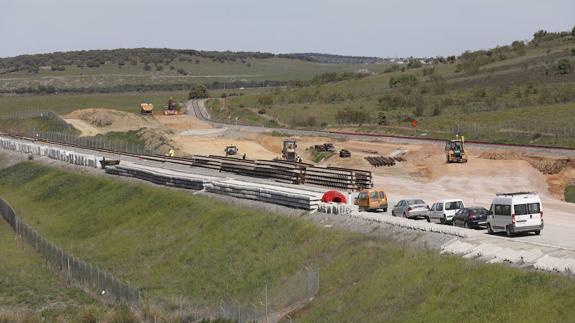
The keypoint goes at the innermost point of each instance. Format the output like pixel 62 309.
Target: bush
pixel 266 100
pixel 428 71
pixel 198 91
pixel 262 111
pixel 403 80
pixel 437 110
pixel 564 66
pixel 350 116
pixel 419 110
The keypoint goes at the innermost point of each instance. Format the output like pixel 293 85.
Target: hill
pixel 163 69
pixel 484 92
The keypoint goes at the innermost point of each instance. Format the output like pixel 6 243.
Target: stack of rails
pixel 285 172
pixel 378 161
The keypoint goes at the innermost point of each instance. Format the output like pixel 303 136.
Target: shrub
pixel 198 91
pixel 347 116
pixel 564 66
pixel 428 71
pixel 266 100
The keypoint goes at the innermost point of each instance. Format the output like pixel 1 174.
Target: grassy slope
pixel 177 244
pixel 281 69
pixel 26 284
pixel 517 88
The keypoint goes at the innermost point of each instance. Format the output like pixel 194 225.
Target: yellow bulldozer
pixel 455 150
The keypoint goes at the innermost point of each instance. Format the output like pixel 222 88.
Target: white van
pixel 516 212
pixel 443 211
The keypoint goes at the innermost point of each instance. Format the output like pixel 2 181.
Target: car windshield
pixel 362 196
pixel 529 208
pixel 413 202
pixel 479 211
pixel 453 205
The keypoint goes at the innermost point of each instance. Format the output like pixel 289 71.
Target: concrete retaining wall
pixel 57 153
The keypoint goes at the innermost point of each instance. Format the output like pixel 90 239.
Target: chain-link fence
pixel 97 142
pixel 95 281
pixel 266 305
pixel 56 122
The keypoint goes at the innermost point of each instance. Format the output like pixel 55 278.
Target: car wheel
pixel 489 229
pixel 428 219
pixel 393 213
pixel 537 232
pixel 384 209
pixel 508 231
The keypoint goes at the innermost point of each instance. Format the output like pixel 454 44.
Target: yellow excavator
pixel 455 150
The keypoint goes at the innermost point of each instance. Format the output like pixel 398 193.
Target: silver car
pixel 412 209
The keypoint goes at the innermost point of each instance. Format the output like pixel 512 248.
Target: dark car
pixel 471 217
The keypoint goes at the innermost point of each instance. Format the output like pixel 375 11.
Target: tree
pixel 573 32
pixel 564 66
pixel 198 91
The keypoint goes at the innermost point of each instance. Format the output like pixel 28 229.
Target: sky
pixel 382 28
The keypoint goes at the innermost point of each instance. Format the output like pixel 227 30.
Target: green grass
pixel 27 286
pixel 65 103
pixel 521 99
pixel 273 69
pixel 175 244
pixel 42 124
pixel 570 193
pixel 318 156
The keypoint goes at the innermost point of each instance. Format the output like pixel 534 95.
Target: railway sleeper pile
pixel 57 153
pixel 286 196
pixel 378 161
pixel 163 177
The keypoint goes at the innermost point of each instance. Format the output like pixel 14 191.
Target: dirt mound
pixel 547 166
pixel 158 140
pixel 500 155
pixel 111 120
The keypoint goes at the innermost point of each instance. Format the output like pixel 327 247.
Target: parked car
pixel 443 211
pixel 414 208
pixel 516 212
pixel 372 200
pixel 470 217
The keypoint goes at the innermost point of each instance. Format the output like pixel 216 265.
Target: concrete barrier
pixel 52 152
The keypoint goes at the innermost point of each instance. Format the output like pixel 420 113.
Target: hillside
pixel 485 92
pixel 163 69
pixel 182 248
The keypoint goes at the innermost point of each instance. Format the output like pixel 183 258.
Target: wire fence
pixel 93 280
pixel 267 305
pixel 57 123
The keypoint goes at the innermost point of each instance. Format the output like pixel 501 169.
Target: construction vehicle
pixel 146 108
pixel 231 150
pixel 289 151
pixel 344 153
pixel 455 150
pixel 171 107
pixel 325 147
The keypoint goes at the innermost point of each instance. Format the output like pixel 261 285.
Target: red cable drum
pixel 333 196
